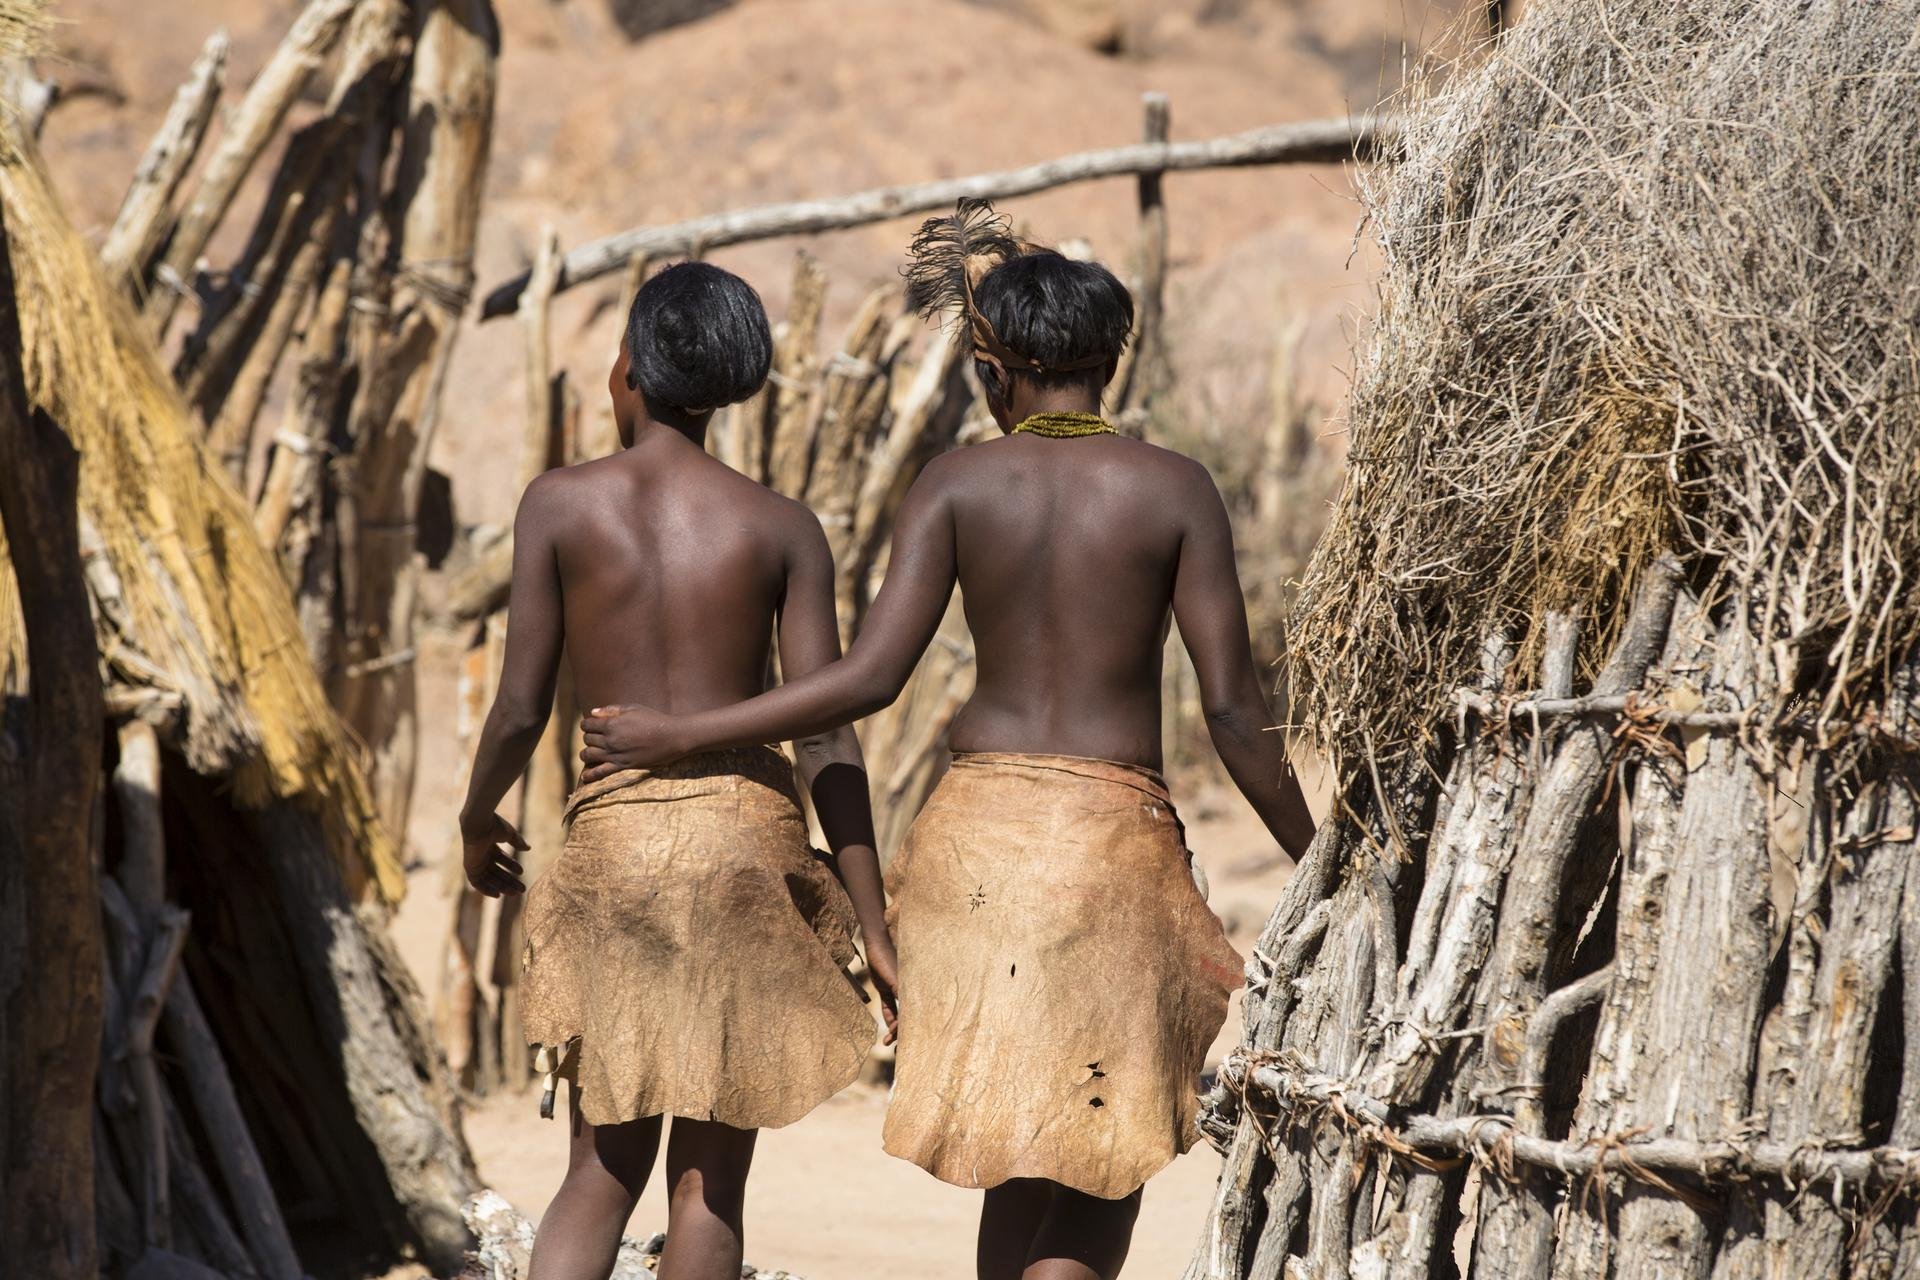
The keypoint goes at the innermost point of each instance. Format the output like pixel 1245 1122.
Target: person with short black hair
pixel 686 950
pixel 696 339
pixel 1061 976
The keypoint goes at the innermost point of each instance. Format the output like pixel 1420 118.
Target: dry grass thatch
pixel 1652 282
pixel 23 27
pixel 189 604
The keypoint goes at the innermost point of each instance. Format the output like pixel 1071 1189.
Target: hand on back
pixel 884 969
pixel 630 737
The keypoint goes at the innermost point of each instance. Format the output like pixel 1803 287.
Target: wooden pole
pixel 536 312
pixel 795 366
pixel 442 171
pixel 142 874
pixel 229 321
pixel 299 512
pixel 230 430
pixel 926 419
pixel 852 401
pixel 230 357
pixel 1808 1166
pixel 247 134
pixel 198 1205
pixel 210 1085
pixel 136 786
pixel 300 446
pixel 1307 142
pixel 1131 389
pixel 353 986
pixel 145 211
pixel 131 1093
pixel 1647 1082
pixel 479 587
pixel 50 989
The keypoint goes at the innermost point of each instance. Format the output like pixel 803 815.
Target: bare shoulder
pixel 1171 467
pixel 944 470
pixel 1195 494
pixel 946 475
pixel 554 484
pixel 580 494
pixel 548 493
pixel 792 523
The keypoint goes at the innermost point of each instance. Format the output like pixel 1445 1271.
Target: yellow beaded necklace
pixel 1064 426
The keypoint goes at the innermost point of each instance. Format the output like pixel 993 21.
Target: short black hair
pixel 1057 310
pixel 697 338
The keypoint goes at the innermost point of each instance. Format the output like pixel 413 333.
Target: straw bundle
pixel 192 607
pixel 23 27
pixel 1650 285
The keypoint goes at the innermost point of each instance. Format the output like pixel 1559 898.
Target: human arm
pixel 1212 616
pixel 904 616
pixel 830 764
pixel 514 723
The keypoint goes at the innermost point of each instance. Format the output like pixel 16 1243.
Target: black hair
pixel 697 338
pixel 1058 311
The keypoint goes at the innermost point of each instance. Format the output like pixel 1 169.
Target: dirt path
pixel 826 1203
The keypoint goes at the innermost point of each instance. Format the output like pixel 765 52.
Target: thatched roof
pixel 1652 283
pixel 188 602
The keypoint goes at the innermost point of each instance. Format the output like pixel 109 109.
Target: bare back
pixel 671 573
pixel 1071 555
pixel 1066 552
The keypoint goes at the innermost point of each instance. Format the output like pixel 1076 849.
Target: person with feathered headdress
pixel 1060 974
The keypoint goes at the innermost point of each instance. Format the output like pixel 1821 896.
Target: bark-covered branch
pixel 252 127
pixel 1637 705
pixel 50 978
pixel 1304 1095
pixel 1304 142
pixel 147 207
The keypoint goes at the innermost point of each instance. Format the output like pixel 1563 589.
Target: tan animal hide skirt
pixel 1061 976
pixel 685 952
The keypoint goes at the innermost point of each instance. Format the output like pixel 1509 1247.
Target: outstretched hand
pixel 630 737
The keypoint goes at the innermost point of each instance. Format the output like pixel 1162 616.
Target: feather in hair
pixel 950 253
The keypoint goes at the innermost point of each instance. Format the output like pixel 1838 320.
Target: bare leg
pixel 607 1168
pixel 1083 1237
pixel 1010 1218
pixel 707 1166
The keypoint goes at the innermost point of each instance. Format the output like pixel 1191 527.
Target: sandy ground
pixel 825 1201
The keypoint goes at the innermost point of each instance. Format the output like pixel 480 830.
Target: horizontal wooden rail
pixel 1304 142
pixel 1803 1164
